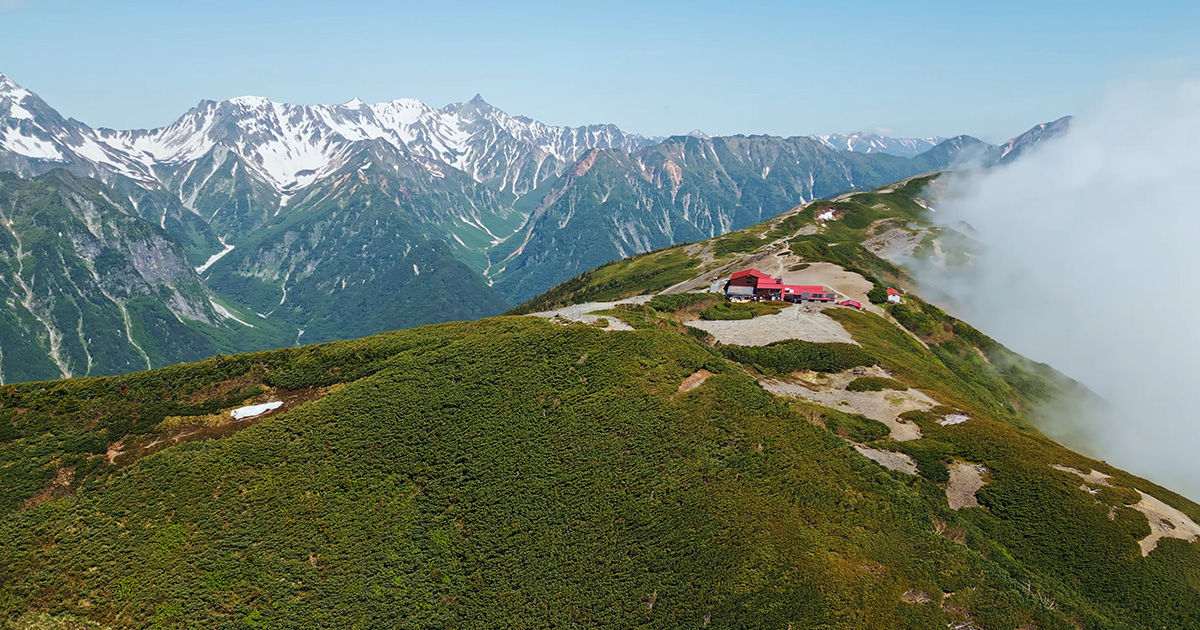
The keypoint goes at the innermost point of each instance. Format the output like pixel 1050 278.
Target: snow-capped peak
pixel 869 142
pixel 289 147
pixel 251 101
pixel 8 86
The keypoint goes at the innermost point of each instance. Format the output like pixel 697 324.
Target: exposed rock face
pixel 83 280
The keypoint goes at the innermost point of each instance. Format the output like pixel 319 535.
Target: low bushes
pixel 679 301
pixel 794 355
pixel 856 427
pixel 748 310
pixel 874 384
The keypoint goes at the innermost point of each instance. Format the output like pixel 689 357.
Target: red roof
pixel 803 288
pixel 769 283
pixel 749 272
pixel 853 303
pixel 892 291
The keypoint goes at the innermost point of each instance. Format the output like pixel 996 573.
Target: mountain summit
pixel 413 214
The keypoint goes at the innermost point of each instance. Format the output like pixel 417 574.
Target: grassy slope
pixel 503 473
pixel 512 472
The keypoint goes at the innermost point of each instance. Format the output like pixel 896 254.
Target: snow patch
pixel 954 418
pixel 224 312
pixel 250 411
pixel 30 146
pixel 215 257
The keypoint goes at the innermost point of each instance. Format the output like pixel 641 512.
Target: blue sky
pixel 785 68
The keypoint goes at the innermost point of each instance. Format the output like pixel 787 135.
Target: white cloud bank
pixel 1090 262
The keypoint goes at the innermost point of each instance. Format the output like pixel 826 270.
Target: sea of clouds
pixel 1087 257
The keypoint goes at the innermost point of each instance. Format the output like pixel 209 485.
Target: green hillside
pixel 531 473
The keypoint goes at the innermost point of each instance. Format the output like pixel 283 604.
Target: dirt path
pixel 800 321
pixel 583 312
pixel 965 480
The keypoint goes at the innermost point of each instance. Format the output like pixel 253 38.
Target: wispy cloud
pixel 1089 259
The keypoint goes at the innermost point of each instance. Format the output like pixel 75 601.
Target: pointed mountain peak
pixel 696 133
pixel 354 103
pixel 7 85
pixel 478 100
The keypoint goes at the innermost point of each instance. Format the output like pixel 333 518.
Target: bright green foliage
pixel 735 243
pixel 1008 378
pixel 878 294
pixel 874 384
pixel 478 477
pixel 632 276
pixel 848 425
pixel 741 310
pixel 792 355
pixel 518 473
pixel 670 303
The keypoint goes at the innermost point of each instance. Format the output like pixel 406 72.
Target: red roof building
pixel 764 286
pixel 750 272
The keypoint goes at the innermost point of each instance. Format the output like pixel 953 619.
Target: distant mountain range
pixel 324 222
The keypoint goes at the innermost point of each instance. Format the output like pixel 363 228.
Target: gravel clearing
pixel 891 460
pixel 800 321
pixel 1165 522
pixel 885 406
pixel 895 244
pixel 965 480
pixel 583 312
pixel 1095 477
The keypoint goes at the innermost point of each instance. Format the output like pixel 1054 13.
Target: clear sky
pixel 657 67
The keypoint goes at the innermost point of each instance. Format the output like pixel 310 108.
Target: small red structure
pixel 893 295
pixel 851 303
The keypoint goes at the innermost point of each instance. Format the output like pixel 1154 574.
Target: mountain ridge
pixel 542 471
pixel 261 198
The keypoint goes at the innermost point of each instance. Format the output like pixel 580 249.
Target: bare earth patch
pixel 800 321
pixel 965 480
pixel 59 486
pixel 583 312
pixel 1165 522
pixel 891 460
pixel 1095 477
pixel 884 406
pixel 695 380
pixel 894 244
pixel 913 596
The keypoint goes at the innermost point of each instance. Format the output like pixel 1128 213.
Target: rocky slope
pixel 93 289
